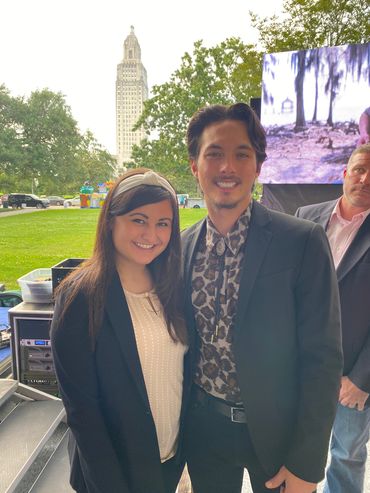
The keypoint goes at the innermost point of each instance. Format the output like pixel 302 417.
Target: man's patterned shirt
pixel 215 288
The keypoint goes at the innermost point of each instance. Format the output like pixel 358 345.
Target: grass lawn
pixel 44 238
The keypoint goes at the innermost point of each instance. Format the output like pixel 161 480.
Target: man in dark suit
pixel 347 223
pixel 262 305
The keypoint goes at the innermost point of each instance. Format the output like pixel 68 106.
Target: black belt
pixel 235 413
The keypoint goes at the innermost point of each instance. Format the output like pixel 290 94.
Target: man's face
pixel 356 182
pixel 226 167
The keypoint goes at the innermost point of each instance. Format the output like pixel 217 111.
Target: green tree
pixel 95 164
pixel 41 147
pixel 226 73
pixel 309 24
pixel 50 138
pixel 11 138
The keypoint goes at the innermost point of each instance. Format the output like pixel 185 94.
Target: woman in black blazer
pixel 119 343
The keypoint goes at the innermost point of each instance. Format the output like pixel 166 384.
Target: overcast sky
pixel 74 46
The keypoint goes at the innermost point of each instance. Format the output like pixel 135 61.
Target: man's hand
pixel 351 396
pixel 289 483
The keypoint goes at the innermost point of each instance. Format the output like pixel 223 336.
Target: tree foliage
pixel 224 74
pixel 96 165
pixel 309 24
pixel 11 117
pixel 41 144
pixel 50 136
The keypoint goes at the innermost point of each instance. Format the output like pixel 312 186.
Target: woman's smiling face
pixel 142 234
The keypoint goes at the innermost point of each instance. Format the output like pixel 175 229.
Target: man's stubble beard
pixel 233 205
pixel 226 206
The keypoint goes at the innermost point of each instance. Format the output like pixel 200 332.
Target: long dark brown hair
pixel 92 278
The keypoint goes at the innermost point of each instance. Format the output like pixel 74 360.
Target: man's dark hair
pixel 218 113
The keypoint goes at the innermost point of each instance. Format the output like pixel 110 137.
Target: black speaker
pixel 32 362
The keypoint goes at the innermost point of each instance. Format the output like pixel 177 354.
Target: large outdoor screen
pixel 312 101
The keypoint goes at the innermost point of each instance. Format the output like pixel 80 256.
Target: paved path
pixel 13 212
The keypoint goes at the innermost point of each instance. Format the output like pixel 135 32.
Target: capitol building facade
pixel 131 92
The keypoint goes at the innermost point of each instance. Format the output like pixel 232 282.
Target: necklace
pixel 151 304
pixel 214 336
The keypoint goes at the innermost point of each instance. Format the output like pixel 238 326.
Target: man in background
pixel 347 224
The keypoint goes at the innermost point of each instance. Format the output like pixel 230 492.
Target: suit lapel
pixel 120 319
pixel 189 251
pixel 359 245
pixel 259 237
pixel 190 248
pixel 356 250
pixel 258 240
pixel 324 214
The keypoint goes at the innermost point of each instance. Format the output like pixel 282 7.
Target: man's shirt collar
pixel 336 214
pixel 234 239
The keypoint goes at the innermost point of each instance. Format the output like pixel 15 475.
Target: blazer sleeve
pixel 76 373
pixel 320 358
pixel 360 373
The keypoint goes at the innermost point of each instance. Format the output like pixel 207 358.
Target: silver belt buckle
pixel 238 415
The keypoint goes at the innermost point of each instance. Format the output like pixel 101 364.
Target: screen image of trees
pixel 311 104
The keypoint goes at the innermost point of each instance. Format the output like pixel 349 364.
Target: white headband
pixel 148 178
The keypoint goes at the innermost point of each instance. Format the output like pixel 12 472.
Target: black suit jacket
pixel 287 342
pixel 114 444
pixel 354 286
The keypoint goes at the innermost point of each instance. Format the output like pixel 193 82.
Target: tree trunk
pixel 300 123
pixel 314 117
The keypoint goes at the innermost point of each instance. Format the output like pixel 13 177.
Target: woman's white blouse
pixel 162 362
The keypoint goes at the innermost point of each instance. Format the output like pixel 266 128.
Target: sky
pixel 74 46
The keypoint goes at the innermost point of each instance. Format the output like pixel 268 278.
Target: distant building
pixel 131 92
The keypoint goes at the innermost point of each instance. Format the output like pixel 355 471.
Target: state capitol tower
pixel 131 92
